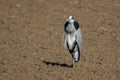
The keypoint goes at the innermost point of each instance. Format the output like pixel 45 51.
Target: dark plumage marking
pixel 78 53
pixel 66 25
pixel 76 25
pixel 73 50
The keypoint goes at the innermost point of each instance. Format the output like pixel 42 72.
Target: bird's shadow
pixel 57 64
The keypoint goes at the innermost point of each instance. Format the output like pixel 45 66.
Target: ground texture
pixel 31 40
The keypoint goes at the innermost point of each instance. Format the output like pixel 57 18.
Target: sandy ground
pixel 31 40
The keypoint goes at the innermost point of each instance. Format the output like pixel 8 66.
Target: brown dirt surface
pixel 32 46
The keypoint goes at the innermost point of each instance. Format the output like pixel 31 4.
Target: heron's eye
pixel 72 17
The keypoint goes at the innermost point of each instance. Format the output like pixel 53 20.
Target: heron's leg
pixel 73 65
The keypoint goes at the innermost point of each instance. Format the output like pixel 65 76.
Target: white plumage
pixel 73 38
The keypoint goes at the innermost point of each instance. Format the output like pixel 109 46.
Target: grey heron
pixel 73 38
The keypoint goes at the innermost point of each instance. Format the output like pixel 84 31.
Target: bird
pixel 73 38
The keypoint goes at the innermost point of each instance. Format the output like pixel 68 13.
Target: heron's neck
pixel 71 20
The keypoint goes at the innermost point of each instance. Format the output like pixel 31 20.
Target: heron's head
pixel 71 19
pixel 70 26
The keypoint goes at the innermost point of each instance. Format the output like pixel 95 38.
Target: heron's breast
pixel 71 40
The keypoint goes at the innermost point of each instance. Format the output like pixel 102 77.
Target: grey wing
pixel 79 39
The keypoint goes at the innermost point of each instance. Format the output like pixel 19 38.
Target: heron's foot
pixel 73 65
